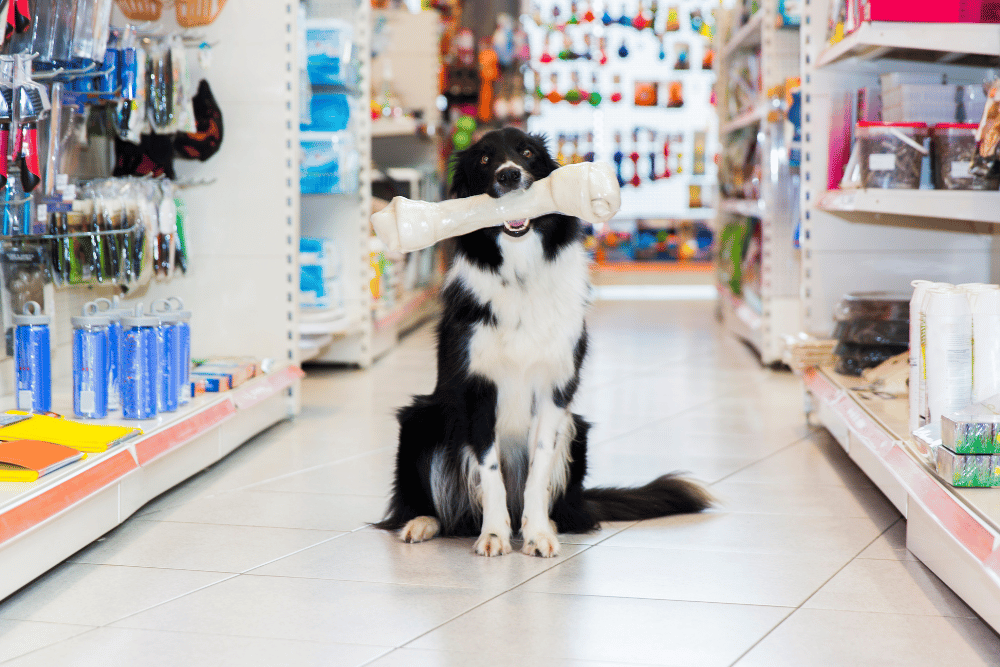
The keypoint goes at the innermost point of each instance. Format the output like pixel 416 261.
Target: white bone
pixel 588 190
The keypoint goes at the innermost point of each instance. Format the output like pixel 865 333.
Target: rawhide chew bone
pixel 587 190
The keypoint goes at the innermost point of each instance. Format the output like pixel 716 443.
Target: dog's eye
pixel 484 160
pixel 527 153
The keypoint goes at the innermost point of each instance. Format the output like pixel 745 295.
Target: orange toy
pixel 488 73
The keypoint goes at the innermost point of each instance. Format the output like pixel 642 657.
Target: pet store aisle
pixel 265 558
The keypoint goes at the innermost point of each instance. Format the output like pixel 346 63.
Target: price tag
pixel 43 212
pixel 62 181
pixel 882 161
pixel 960 169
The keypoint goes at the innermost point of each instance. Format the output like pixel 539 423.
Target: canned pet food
pixel 891 154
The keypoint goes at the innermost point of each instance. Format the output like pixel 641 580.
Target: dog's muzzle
pixel 513 179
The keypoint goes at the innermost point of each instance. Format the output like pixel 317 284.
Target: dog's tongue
pixel 516 224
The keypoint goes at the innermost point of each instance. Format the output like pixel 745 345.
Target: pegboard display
pixel 630 85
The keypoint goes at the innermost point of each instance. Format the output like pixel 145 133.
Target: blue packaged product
pixel 140 365
pixel 114 315
pixel 33 359
pixel 90 363
pixel 184 329
pixel 168 342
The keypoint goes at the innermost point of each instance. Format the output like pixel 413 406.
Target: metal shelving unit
pixel 243 231
pixel 778 311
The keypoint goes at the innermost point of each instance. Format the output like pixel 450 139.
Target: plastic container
pixel 877 306
pixel 954 145
pixel 140 364
pixel 90 363
pixel 918 342
pixel 948 351
pixel 114 315
pixel 184 329
pixel 891 154
pixel 168 342
pixel 33 359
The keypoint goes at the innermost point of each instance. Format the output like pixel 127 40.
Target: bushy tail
pixel 666 495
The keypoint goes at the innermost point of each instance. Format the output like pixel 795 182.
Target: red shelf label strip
pixel 266 387
pixel 69 492
pixel 820 386
pixel 188 429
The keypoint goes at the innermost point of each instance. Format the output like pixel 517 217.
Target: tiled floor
pixel 265 559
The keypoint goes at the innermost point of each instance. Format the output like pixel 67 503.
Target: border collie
pixel 497 439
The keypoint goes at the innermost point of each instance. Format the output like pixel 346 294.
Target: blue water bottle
pixel 184 328
pixel 114 315
pixel 90 363
pixel 33 359
pixel 140 363
pixel 168 341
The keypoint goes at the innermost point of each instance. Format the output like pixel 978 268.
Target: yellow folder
pixel 79 436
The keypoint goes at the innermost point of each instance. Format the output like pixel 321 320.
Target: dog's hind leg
pixel 552 432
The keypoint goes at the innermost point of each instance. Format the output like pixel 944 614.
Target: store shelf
pixel 394 127
pixel 883 39
pixel 745 119
pixel 749 35
pixel 966 205
pixel 952 531
pixel 44 522
pixel 413 307
pixel 742 320
pixel 753 208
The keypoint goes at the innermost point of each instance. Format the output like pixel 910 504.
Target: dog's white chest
pixel 539 306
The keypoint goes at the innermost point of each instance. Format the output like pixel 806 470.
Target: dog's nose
pixel 509 178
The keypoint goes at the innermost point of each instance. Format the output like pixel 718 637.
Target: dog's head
pixel 503 161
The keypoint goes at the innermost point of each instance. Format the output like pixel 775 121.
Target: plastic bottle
pixel 918 353
pixel 948 351
pixel 140 363
pixel 184 328
pixel 985 304
pixel 114 315
pixel 33 359
pixel 168 343
pixel 90 363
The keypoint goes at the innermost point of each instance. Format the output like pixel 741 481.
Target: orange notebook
pixel 27 460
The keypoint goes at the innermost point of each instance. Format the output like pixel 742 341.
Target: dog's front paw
pixel 420 529
pixel 491 544
pixel 543 543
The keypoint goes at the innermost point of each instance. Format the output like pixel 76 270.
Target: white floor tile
pixel 889 586
pixel 839 538
pixel 807 500
pixel 119 647
pixel 824 638
pixel 409 657
pixel 309 511
pixel 891 545
pixel 196 546
pixel 311 610
pixel 618 630
pixel 85 594
pixel 21 637
pixel 377 556
pixel 683 574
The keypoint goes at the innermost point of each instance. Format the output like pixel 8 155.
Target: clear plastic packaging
pixel 968 470
pixel 954 146
pixel 90 363
pixel 876 306
pixel 891 154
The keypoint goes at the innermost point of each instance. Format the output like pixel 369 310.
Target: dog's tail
pixel 664 496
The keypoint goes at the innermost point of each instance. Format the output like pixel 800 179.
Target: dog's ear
pixel 540 142
pixel 461 183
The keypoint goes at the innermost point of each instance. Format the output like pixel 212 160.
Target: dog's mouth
pixel 516 228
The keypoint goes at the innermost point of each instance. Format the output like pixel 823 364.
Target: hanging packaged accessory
pixel 205 142
pixel 6 110
pixel 33 103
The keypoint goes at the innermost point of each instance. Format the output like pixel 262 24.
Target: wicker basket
pixel 141 10
pixel 193 13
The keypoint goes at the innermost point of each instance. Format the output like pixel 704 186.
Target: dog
pixel 495 449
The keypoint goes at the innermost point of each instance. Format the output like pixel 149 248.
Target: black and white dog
pixel 497 438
